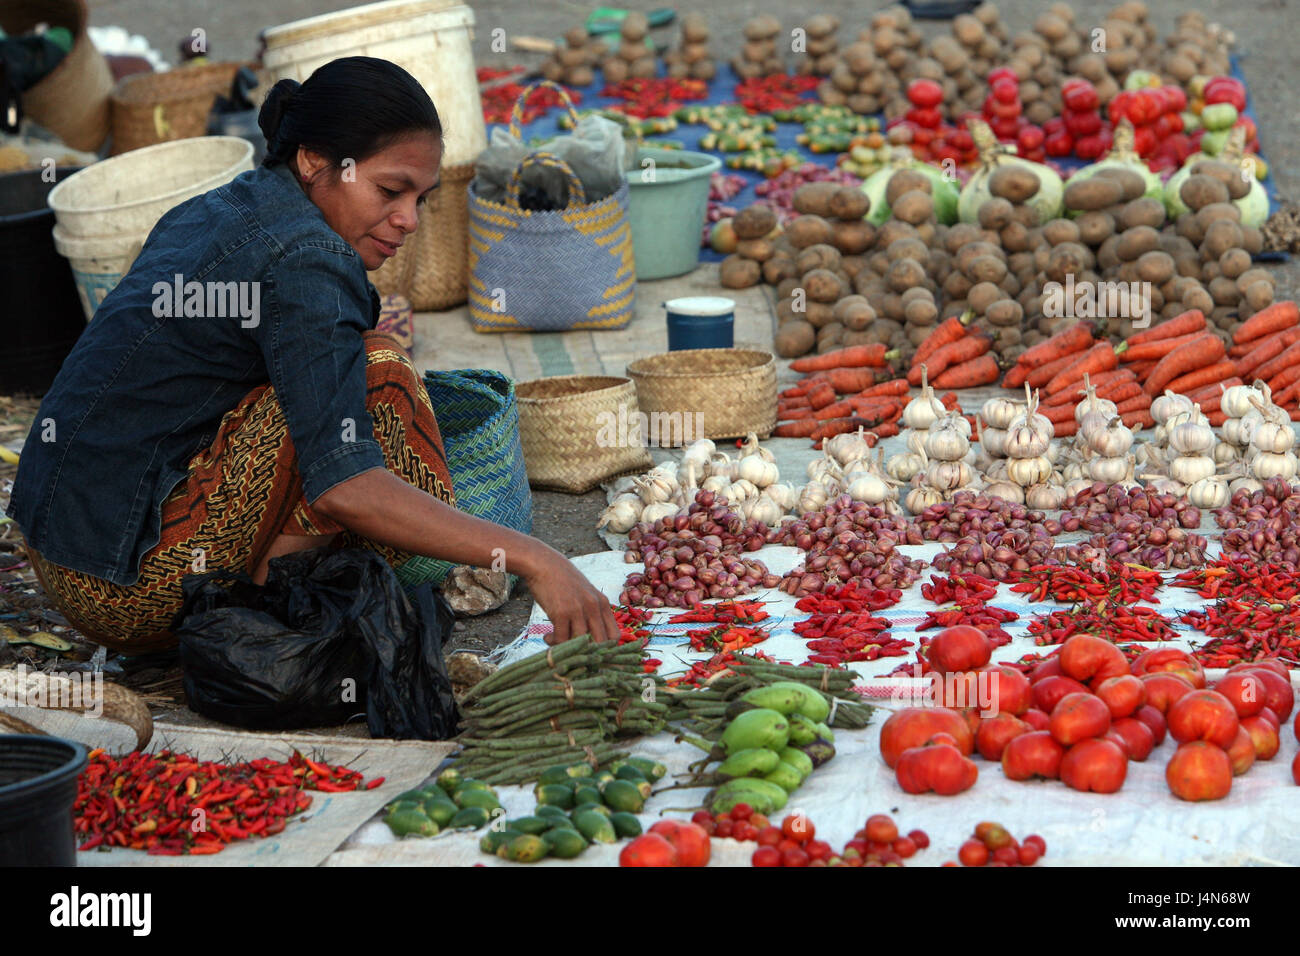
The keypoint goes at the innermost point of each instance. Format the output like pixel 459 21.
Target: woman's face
pixel 374 204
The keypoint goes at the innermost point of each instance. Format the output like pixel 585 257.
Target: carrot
pixel 1134 404
pixel 1142 369
pixel 1102 357
pixel 1072 395
pixel 1284 378
pixel 1120 392
pixel 821 395
pixel 1287 394
pixel 1015 376
pixel 1266 348
pixel 879 412
pixel 1074 339
pixel 1271 318
pixel 885 430
pixel 842 409
pixel 974 432
pixel 799 429
pixel 949 330
pixel 1157 349
pixel 895 386
pixel 949 401
pixel 1193 320
pixel 1040 376
pixel 1065 427
pixel 954 353
pixel 1203 376
pixel 1056 413
pixel 1206 350
pixel 1138 419
pixel 793 414
pixel 982 371
pixel 838 426
pixel 1287 357
pixel 1294 413
pixel 1216 417
pixel 851 381
pixel 874 355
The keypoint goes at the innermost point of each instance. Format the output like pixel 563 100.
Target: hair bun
pixel 273 107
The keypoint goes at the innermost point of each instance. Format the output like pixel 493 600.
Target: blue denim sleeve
pixel 314 313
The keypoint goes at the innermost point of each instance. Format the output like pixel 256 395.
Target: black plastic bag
pixel 329 633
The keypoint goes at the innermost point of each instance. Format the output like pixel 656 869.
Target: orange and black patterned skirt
pixel 241 494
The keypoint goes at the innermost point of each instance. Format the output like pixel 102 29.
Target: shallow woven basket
pixel 151 108
pixel 712 393
pixel 432 267
pixel 571 433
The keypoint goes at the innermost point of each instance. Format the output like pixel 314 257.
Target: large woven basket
pixel 151 108
pixel 432 267
pixel 579 430
pixel 706 393
pixel 478 419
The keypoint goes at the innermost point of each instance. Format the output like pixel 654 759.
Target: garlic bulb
pixel 659 511
pixel 1191 439
pixel 1006 490
pixel 1209 493
pixel 922 497
pixel 1234 432
pixel 1000 412
pixel 787 496
pixel 1109 470
pixel 622 514
pixel 1113 441
pixel 1029 471
pixel 763 509
pixel 1091 403
pixel 1267 465
pixel 1163 485
pixel 757 470
pixel 1245 483
pixel 945 442
pixel 904 465
pixel 812 497
pixel 1269 412
pixel 1029 434
pixel 655 489
pixel 870 488
pixel 1045 497
pixel 915 440
pixel 740 490
pixel 751 447
pixel 1190 469
pixel 1236 401
pixel 667 469
pixel 848 446
pixel 1272 437
pixel 625 485
pixel 718 484
pixel 924 410
pixel 994 441
pixel 1166 406
pixel 820 468
pixel 1223 453
pixel 948 475
pixel 1076 485
pixel 721 464
pixel 1194 416
pixel 1073 470
pixel 998 470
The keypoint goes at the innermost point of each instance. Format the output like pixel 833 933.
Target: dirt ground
pixel 1264 29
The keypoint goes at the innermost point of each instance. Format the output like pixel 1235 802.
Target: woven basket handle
pixel 577 194
pixel 517 115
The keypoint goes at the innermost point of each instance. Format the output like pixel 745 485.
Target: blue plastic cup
pixel 701 322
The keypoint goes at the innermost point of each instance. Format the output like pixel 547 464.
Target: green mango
pixel 586 795
pixel 653 770
pixel 471 818
pixel 596 827
pixel 825 733
pixel 626 824
pixel 555 794
pixel 623 795
pixel 819 751
pixel 785 776
pixel 579 771
pixel 790 697
pixel 597 807
pixel 565 842
pixel 798 759
pixel 493 840
pixel 756 728
pixel 762 795
pixel 602 777
pixel 440 810
pixel 556 774
pixel 754 762
pixel 411 796
pixel 802 731
pixel 525 848
pixel 410 821
pixel 549 812
pixel 450 780
pixel 477 798
pixel 530 825
pixel 630 772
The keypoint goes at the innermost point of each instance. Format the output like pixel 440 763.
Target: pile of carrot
pixel 846 389
pixel 955 357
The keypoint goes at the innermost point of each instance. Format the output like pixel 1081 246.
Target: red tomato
pixel 920 838
pixel 742 811
pixel 1037 719
pixel 1003 73
pixel 1037 843
pixel 1280 697
pixel 1052 666
pixel 1169 660
pixel 1091 660
pixel 1006 855
pixel 959 648
pixel 1049 691
pixel 1082 124
pixel 1030 755
pixel 924 93
pixel 992 835
pixel 1006 90
pixel 914 726
pixel 1245 690
pixel 1267 714
pixel 961 139
pixel 758 821
pixel 1029 137
pixel 1028 855
pixel 905 847
pixel 925 118
pixel 788 844
pixel 1241 752
pixel 819 850
pixel 996 732
pixel 1199 771
pixel 724 829
pixel 1175 99
pixel 938 767
pixel 795 857
pixel 880 828
pixel 1134 736
pixel 1295 767
pixel 973 853
pixel 1203 715
pixel 744 832
pixel 649 849
pixel 1154 720
pixel 1144 140
pixel 769 836
pixel 1009 691
pixel 703 818
pixel 1096 765
pixel 1163 689
pixel 1225 89
pixel 766 856
pixel 1004 128
pixel 1079 717
pixel 1080 96
pixel 1123 695
pixel 1146 106
pixel 1089 147
pixel 798 827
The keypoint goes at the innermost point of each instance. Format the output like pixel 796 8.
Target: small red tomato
pixel 973 853
pixel 788 845
pixel 1037 842
pixel 744 832
pixel 702 817
pixel 1006 854
pixel 880 828
pixel 924 93
pixel 766 856
pixel 724 828
pixel 1058 144
pixel 1028 855
pixel 819 850
pixel 742 811
pixel 769 836
pixel 1029 137
pixel 920 838
pixel 904 847
pixel 758 821
pixel 1080 96
pixel 795 857
pixel 798 827
pixel 992 835
pixel 1006 91
pixel 1003 73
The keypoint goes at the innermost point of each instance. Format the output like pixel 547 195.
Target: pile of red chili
pixel 842 628
pixel 1226 578
pixel 170 804
pixel 734 625
pixel 1244 630
pixel 763 94
pixel 700 671
pixel 655 97
pixel 975 613
pixel 1123 582
pixel 959 589
pixel 499 101
pixel 1114 622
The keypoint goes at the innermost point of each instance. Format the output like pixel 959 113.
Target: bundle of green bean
pixel 563 706
pixel 708 708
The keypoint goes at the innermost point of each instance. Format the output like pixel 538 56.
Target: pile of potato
pixel 821 48
pixel 693 59
pixel 1195 47
pixel 574 63
pixel 635 57
pixel 759 56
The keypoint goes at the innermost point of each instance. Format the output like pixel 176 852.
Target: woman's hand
pixel 572 603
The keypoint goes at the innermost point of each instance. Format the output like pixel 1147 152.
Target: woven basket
pixel 706 393
pixel 479 422
pixel 579 430
pixel 151 108
pixel 432 267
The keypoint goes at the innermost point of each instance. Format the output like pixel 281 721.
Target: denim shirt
pixel 147 384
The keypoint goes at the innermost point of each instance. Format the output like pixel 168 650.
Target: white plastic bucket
pixel 105 212
pixel 430 39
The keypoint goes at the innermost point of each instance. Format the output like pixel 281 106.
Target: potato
pixel 1224 291
pixel 829 336
pixel 1058 231
pixel 1155 266
pixel 809 230
pixel 1237 185
pixel 891 306
pixel 974 250
pixel 1092 194
pixel 1214 212
pixel 1016 237
pixel 760 250
pixel 1188 264
pixel 754 222
pixel 1146 211
pixel 1198 298
pixel 1014 182
pixel 914 207
pixel 848 204
pixel 904 181
pixel 1252 240
pixel 1200 191
pixel 854 312
pixel 1222 235
pixel 822 285
pixel 737 272
pixel 818 313
pixel 1025 215
pixel 982 295
pixel 1258 295
pixel 777 268
pixel 908 248
pixel 786 286
pixel 852 238
pixel 1095 227
pixel 1134 242
pixel 1131 182
pixel 957 285
pixel 904 274
pixel 819 256
pixel 1005 313
pixel 921 312
pixel 1251 276
pixel 1069 258
pixel 986 269
pixel 795 338
pixel 814 199
pixel 995 213
pixel 959 235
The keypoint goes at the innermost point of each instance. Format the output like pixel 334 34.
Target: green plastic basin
pixel 668 205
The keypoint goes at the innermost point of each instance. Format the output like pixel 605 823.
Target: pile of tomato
pixel 993 845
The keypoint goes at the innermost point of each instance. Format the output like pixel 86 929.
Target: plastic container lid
pixel 701 305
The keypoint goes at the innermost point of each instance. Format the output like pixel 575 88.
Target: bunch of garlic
pixel 997 414
pixel 944 451
pixel 865 480
pixel 1190 445
pixel 918 415
pixel 1237 405
pixel 1028 440
pixel 1271 438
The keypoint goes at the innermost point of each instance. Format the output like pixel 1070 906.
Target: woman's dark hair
pixel 349 108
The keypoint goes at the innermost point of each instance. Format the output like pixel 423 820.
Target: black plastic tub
pixel 38 786
pixel 42 316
